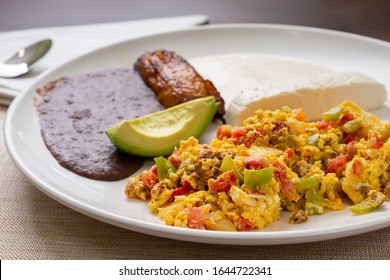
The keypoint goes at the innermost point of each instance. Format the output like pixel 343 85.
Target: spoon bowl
pixel 22 61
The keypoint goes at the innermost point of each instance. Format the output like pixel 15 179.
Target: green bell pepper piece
pixel 314 197
pixel 352 126
pixel 164 167
pixel 313 140
pixel 309 183
pixel 170 167
pixel 259 177
pixel 333 114
pixel 362 208
pixel 228 164
pixel 373 200
pixel 161 167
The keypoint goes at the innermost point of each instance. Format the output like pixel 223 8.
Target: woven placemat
pixel 34 226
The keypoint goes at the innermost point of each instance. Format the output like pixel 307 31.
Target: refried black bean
pixel 74 113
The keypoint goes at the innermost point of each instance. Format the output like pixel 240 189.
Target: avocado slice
pixel 157 134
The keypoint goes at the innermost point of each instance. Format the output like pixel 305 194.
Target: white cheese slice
pixel 236 72
pixel 315 95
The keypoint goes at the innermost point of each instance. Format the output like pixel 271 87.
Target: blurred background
pixel 366 17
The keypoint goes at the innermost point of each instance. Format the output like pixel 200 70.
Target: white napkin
pixel 72 41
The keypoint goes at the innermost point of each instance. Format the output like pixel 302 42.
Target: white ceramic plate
pixel 106 201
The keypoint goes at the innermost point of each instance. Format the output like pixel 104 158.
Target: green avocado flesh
pixel 157 134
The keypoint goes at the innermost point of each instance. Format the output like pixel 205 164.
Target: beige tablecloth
pixel 34 226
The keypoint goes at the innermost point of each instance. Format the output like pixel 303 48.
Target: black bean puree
pixel 74 112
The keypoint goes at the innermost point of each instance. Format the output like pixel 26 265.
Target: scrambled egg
pixel 275 161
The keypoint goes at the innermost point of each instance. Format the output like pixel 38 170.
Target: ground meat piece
pixel 204 170
pixel 206 153
pixel 375 198
pixel 298 217
pixel 136 189
pixel 386 191
pixel 279 136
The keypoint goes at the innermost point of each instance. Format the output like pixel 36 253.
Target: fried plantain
pixel 174 80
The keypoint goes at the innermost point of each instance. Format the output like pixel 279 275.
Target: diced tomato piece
pixel 239 135
pixel 349 138
pixel 154 170
pixel 351 150
pixel 243 224
pixel 174 158
pixel 337 164
pixel 196 218
pixel 290 153
pixel 261 130
pixel 357 168
pixel 346 117
pixel 238 132
pixel 184 189
pixel 300 115
pixel 249 140
pixel 323 125
pixel 255 162
pixel 286 186
pixel 224 131
pixel 377 141
pixel 149 179
pixel 223 183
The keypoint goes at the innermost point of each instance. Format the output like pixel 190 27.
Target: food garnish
pixel 158 133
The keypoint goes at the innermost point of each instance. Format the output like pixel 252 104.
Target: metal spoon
pixel 21 62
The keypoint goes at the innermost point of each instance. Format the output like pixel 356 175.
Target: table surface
pixel 34 226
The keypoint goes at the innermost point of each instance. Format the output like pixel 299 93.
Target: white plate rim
pixel 239 238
